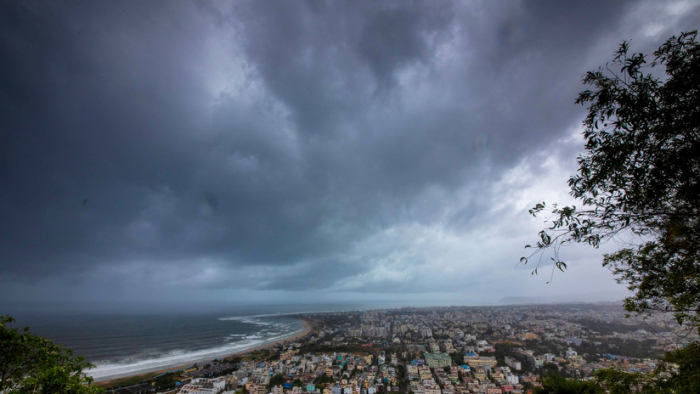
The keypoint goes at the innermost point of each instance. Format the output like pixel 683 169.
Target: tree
pixel 559 385
pixel 640 176
pixel 32 364
pixel 684 379
pixel 276 380
pixel 165 381
pixel 617 381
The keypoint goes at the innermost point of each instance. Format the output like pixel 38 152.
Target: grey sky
pixel 205 153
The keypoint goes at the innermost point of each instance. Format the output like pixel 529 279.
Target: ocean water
pixel 127 344
pixel 124 345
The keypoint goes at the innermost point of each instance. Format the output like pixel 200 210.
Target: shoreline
pixel 307 328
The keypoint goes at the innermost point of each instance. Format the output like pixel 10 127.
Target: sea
pixel 125 344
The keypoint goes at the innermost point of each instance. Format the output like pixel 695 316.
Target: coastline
pixel 307 328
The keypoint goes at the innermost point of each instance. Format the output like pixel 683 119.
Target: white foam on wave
pixel 258 320
pixel 111 370
pixel 252 317
pixel 249 319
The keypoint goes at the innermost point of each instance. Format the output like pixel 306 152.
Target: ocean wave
pixel 254 317
pixel 154 361
pixel 239 318
pixel 249 320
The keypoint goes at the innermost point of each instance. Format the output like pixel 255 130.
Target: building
pixel 513 363
pixel 475 361
pixel 436 360
pixel 204 386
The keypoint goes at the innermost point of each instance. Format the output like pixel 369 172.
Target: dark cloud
pixel 328 146
pixel 401 34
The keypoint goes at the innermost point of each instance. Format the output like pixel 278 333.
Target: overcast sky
pixel 195 154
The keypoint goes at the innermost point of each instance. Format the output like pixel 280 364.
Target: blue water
pixel 126 344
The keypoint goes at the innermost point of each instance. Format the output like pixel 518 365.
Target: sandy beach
pixel 306 330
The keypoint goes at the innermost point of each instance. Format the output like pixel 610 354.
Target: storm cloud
pixel 222 152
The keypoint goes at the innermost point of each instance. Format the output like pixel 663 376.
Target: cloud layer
pixel 260 152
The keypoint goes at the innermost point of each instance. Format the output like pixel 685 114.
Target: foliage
pixel 679 372
pixel 31 363
pixel 276 380
pixel 165 381
pixel 683 367
pixel 609 327
pixel 621 382
pixel 633 348
pixel 559 385
pixel 640 176
pixel 551 369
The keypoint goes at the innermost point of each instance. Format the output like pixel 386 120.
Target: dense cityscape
pixel 445 350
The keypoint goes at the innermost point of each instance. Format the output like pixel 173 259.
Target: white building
pixel 204 386
pixel 513 363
